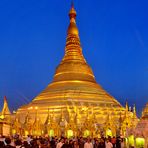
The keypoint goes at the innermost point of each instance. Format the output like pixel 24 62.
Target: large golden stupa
pixel 73 103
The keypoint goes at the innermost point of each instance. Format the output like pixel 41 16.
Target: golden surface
pixel 74 93
pixel 145 112
pixel 73 84
pixel 5 109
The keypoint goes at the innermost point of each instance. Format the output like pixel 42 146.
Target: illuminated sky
pixel 114 37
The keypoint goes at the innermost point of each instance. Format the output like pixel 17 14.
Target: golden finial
pixel 5 99
pixel 134 109
pixel 72 29
pixel 72 13
pixel 5 109
pixel 126 106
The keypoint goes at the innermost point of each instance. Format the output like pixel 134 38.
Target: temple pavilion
pixel 138 136
pixel 141 130
pixel 73 104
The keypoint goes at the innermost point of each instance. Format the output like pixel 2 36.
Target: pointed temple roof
pixel 5 109
pixel 48 119
pixel 73 66
pixel 74 81
pixel 145 113
pixel 134 111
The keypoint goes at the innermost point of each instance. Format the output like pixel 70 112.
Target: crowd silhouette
pixel 62 142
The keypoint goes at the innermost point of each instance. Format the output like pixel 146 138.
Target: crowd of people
pixel 55 142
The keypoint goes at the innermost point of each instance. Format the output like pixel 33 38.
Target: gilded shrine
pixel 73 104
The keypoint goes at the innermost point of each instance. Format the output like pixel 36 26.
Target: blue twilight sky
pixel 114 37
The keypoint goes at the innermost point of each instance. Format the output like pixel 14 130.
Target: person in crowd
pixel 29 139
pixel 75 144
pixel 81 142
pixel 25 145
pixel 118 142
pixel 18 143
pixel 8 143
pixel 108 144
pixel 34 144
pixel 101 143
pixel 2 144
pixel 113 141
pixel 88 143
pixel 53 142
pixel 60 144
pixel 70 145
pixel 96 144
pixel 122 143
pixel 66 144
pixel 42 143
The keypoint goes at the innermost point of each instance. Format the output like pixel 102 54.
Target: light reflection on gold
pixel 71 95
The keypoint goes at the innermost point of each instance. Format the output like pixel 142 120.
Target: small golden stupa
pixel 73 103
pixel 5 119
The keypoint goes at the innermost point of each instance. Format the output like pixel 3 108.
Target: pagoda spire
pixel 145 112
pixel 126 109
pixel 27 119
pixel 126 106
pixel 73 40
pixel 72 3
pixel 62 115
pixel 5 110
pixel 134 110
pixel 48 119
pixel 72 13
pixel 73 65
pixel 73 50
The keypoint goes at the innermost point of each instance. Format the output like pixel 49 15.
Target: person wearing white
pixel 108 144
pixel 59 145
pixel 29 139
pixel 88 144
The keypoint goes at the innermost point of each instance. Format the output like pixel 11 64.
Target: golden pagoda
pixel 5 119
pixel 145 112
pixel 72 95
